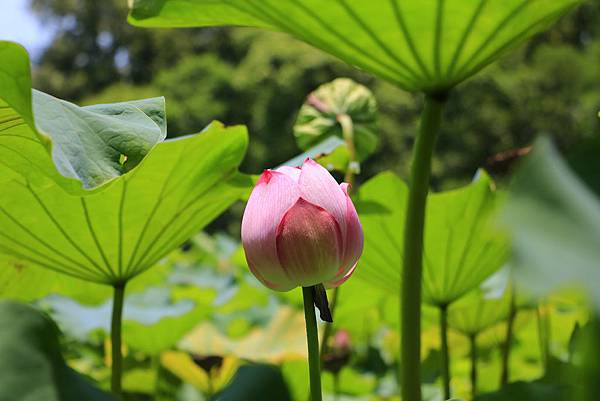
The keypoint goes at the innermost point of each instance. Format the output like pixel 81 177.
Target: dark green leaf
pixel 256 382
pixel 31 364
pixel 584 161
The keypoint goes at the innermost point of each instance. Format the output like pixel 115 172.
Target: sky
pixel 19 24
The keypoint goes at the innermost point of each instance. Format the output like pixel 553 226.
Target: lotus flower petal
pixel 309 244
pixel 318 186
pixel 273 195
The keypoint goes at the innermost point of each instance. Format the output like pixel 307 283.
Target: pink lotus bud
pixel 300 228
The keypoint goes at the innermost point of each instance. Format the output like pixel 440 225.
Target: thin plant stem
pixel 510 323
pixel 348 132
pixel 115 336
pixel 336 386
pixel 473 343
pixel 412 272
pixel 445 350
pixel 543 318
pixel 312 339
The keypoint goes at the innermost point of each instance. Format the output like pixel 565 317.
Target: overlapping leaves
pixel 114 235
pixel 48 140
pixel 462 248
pixel 418 45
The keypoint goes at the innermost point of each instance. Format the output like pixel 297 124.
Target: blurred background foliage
pixel 261 79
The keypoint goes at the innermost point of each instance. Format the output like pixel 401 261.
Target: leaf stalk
pixel 445 350
pixel 116 340
pixel 412 272
pixel 474 356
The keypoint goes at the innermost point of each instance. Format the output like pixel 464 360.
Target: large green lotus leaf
pixel 462 248
pixel 114 235
pixel 362 307
pixel 46 139
pixel 31 283
pixel 318 118
pixel 482 308
pixel 31 364
pixel 554 220
pixel 419 45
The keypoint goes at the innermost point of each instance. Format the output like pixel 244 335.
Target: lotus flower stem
pixel 473 342
pixel 445 351
pixel 115 336
pixel 312 338
pixel 510 322
pixel 410 298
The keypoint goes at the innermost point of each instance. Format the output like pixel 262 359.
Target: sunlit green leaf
pixel 351 382
pixel 480 309
pixel 319 116
pixel 361 308
pixel 50 140
pixel 31 364
pixel 554 220
pixel 33 283
pixel 419 45
pixel 141 381
pixel 116 234
pixel 462 248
